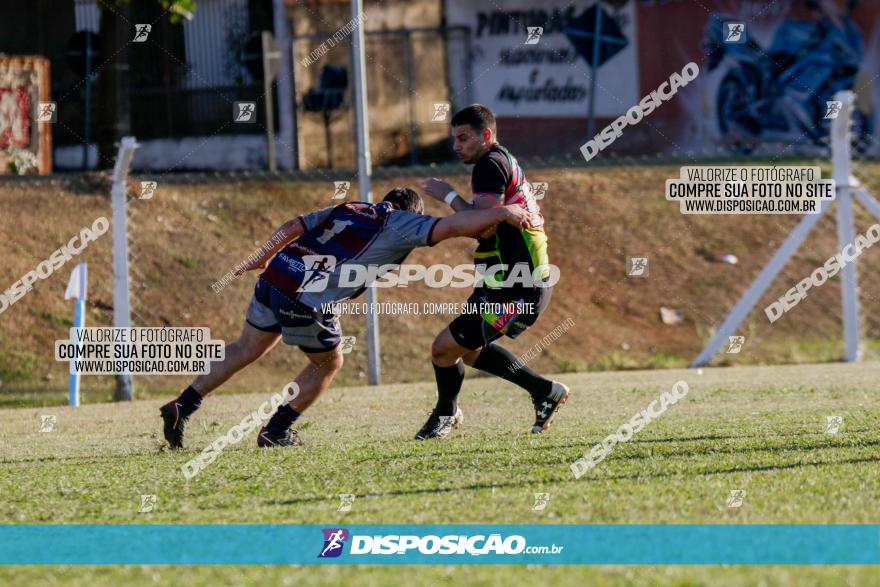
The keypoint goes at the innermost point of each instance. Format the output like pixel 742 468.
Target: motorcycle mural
pixel 780 93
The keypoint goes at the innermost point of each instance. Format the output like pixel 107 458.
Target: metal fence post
pixel 121 301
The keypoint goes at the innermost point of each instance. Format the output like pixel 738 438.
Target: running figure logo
pixel 334 540
pixel 539 189
pixel 833 108
pixel 637 266
pixel 347 344
pixel 341 188
pixel 141 32
pixel 834 424
pixel 46 112
pixel 148 502
pixel 346 500
pixel 148 188
pixel 318 268
pixel 441 111
pixel 736 497
pixel 47 422
pixel 541 501
pixel 735 344
pixel 735 32
pixel 245 112
pixel 535 33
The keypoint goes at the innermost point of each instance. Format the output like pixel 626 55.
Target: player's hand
pixel 489 232
pixel 437 188
pixel 250 267
pixel 517 216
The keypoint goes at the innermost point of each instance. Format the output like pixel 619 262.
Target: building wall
pixel 676 31
pixel 24 83
pixel 400 101
pixel 665 36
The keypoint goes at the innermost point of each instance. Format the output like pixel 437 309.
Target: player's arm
pixel 474 222
pixel 489 182
pixel 286 233
pixel 444 192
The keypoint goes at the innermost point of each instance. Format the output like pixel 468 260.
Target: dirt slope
pixel 188 236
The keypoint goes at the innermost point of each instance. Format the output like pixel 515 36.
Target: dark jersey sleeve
pixel 410 230
pixel 313 219
pixel 490 178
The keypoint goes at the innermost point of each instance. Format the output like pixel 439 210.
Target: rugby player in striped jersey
pixel 497 180
pixel 302 276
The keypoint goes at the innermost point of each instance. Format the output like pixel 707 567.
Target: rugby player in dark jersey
pixel 303 275
pixel 497 180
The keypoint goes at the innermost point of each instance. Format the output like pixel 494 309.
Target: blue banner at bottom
pixel 439 544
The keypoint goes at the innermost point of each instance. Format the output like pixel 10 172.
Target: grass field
pixel 759 429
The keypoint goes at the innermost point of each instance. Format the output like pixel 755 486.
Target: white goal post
pixel 121 287
pixel 846 186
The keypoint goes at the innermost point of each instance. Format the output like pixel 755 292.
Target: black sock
pixel 497 360
pixel 448 385
pixel 282 420
pixel 189 401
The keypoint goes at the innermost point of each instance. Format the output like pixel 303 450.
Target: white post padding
pixel 841 159
pixel 760 285
pixel 845 186
pixel 365 170
pixel 121 296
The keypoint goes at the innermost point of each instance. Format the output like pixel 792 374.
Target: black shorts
pixel 310 329
pixel 493 313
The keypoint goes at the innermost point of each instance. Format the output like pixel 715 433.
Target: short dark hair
pixel 405 199
pixel 477 116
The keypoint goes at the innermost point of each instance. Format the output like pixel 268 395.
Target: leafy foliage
pixel 177 9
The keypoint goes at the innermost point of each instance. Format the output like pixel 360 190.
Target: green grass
pixel 760 429
pixel 187 261
pixel 54 319
pixel 17 366
pixel 447 575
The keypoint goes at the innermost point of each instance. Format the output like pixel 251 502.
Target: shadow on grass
pixel 526 483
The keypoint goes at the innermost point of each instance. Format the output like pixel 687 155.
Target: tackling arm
pixel 440 190
pixel 286 233
pixel 474 222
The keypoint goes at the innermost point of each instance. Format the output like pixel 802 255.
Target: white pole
pixel 270 67
pixel 868 202
pixel 845 184
pixel 760 285
pixel 121 307
pixel 841 171
pixel 364 171
pixel 77 289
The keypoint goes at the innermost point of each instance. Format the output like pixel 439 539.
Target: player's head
pixel 473 132
pixel 405 199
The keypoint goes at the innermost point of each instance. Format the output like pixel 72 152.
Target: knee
pixel 334 362
pixel 439 350
pixel 471 357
